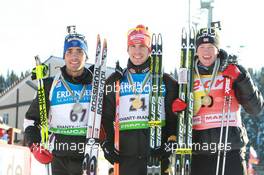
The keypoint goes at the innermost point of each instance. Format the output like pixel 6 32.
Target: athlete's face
pixel 138 53
pixel 207 54
pixel 74 60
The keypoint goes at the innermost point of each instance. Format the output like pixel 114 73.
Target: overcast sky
pixel 31 27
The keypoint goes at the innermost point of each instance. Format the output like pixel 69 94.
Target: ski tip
pixel 192 33
pixel 153 39
pixel 117 63
pixel 184 33
pixel 36 57
pixel 98 38
pixel 159 39
pixel 153 44
pixel 118 68
pixel 37 60
pixel 105 43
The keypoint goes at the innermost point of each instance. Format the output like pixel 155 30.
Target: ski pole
pixel 40 74
pixel 227 99
pixel 228 86
pixel 116 165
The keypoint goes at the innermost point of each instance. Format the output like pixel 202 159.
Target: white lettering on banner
pixel 14 160
pixel 63 94
pixel 214 121
pixel 216 118
pixel 66 94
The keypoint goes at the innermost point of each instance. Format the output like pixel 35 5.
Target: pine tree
pixel 2 83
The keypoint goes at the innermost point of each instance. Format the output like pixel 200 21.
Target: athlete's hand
pixel 178 105
pixel 41 154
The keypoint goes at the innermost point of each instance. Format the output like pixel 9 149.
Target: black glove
pixel 32 135
pixel 45 71
pixel 165 166
pixel 169 148
pixel 165 150
pixel 110 153
pixel 164 153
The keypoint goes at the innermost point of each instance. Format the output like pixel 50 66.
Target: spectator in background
pixel 3 132
pixel 1 120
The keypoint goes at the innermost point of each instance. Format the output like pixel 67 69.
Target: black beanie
pixel 207 35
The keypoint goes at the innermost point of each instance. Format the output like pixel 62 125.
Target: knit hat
pixel 208 35
pixel 75 40
pixel 139 35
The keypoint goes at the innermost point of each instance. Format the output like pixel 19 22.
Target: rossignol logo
pixel 95 88
pixel 101 93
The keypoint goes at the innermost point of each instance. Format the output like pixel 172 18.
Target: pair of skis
pixel 155 103
pixel 90 161
pixel 183 151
